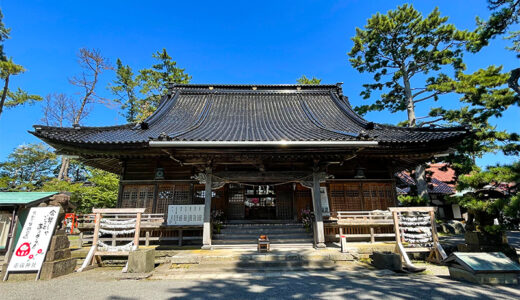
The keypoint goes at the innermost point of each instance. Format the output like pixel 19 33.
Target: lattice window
pixel 236 208
pixel 164 197
pixel 182 194
pixel 354 196
pixel 345 196
pixel 140 196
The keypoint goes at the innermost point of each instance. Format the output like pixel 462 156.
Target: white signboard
pixel 185 215
pixel 34 240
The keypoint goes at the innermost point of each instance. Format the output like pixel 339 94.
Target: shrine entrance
pixel 262 202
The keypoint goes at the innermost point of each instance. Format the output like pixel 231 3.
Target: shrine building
pixel 258 153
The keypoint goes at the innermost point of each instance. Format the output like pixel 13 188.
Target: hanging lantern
pixel 159 174
pixel 360 173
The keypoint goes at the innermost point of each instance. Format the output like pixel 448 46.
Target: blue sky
pixel 217 42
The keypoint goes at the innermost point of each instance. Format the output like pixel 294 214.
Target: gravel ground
pixel 352 283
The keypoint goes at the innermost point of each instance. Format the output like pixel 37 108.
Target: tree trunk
pixel 64 169
pixel 410 107
pixel 420 170
pixel 4 93
pixel 420 179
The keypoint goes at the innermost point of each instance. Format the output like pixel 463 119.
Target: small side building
pixel 14 207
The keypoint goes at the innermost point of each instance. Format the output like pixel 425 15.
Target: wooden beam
pixel 118 210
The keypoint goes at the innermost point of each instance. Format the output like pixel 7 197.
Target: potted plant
pixel 306 219
pixel 217 219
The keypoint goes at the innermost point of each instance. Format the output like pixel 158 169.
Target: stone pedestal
pixel 141 261
pixel 480 242
pixel 58 261
pixel 483 278
pixel 387 260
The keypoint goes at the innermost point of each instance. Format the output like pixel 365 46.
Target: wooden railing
pixel 346 220
pixel 153 229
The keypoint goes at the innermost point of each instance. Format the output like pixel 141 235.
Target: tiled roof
pixel 435 186
pixel 251 113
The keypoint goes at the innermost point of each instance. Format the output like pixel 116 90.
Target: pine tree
pixel 8 69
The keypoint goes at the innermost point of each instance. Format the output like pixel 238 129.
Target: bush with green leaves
pixel 100 190
pixel 483 206
pixel 409 200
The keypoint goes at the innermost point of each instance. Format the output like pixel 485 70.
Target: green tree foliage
pixel 484 208
pixel 484 96
pixel 33 167
pixel 99 190
pixel 305 80
pixel 399 47
pixel 124 88
pixel 8 69
pixel 504 14
pixel 412 58
pixel 27 168
pixel 151 84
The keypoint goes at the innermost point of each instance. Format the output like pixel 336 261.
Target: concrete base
pixel 387 260
pixel 141 261
pixel 206 247
pixel 57 268
pixel 320 246
pixel 483 278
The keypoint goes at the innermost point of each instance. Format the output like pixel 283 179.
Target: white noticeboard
pixel 34 240
pixel 325 210
pixel 185 215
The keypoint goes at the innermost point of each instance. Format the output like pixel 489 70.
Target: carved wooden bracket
pixel 322 177
pixel 215 183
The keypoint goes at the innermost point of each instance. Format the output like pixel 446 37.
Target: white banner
pixel 185 214
pixel 33 243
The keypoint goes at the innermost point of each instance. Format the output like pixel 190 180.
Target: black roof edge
pixel 258 86
pixel 40 127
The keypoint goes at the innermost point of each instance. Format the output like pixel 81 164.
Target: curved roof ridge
pixel 319 124
pixel 348 111
pixel 165 106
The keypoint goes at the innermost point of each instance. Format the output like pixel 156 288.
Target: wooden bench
pixel 367 219
pixel 150 224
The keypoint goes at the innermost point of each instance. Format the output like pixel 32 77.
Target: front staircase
pixel 245 235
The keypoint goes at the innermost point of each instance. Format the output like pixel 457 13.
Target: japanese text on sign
pixel 33 243
pixel 185 214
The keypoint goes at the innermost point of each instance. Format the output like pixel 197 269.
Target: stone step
pixel 254 241
pixel 263 225
pixel 272 236
pixel 253 247
pixel 262 266
pixel 262 230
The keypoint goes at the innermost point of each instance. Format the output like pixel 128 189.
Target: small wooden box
pixel 263 244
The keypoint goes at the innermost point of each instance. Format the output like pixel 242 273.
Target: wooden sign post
pixel 415 231
pixel 119 224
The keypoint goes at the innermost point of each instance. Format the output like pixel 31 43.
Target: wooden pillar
pixel 206 232
pixel 319 234
pixel 137 230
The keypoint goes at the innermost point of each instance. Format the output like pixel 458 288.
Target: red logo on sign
pixel 39 251
pixel 23 250
pixel 31 256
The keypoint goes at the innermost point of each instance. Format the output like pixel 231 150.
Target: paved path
pixel 349 284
